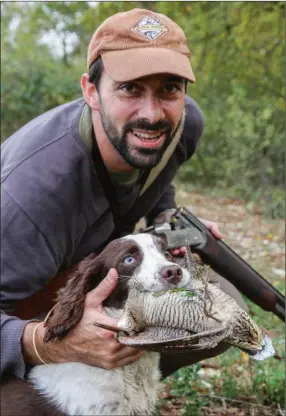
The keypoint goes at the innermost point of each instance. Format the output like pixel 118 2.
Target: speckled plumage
pixel 196 318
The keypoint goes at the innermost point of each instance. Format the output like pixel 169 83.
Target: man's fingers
pixel 213 227
pixel 126 352
pixel 96 296
pixel 179 251
pixel 128 359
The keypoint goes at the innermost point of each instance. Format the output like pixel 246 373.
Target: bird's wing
pixel 162 339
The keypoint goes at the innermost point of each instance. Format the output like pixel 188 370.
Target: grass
pixel 235 380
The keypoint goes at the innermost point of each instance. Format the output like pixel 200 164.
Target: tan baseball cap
pixel 138 43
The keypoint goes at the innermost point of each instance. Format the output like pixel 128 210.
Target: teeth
pixel 147 136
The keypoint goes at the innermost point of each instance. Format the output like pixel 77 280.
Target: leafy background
pixel 238 57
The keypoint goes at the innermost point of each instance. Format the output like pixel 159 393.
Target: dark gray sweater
pixel 54 211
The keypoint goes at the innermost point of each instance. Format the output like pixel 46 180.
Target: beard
pixel 137 157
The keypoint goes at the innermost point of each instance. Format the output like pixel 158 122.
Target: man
pixel 63 198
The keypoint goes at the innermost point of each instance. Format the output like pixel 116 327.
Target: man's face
pixel 140 117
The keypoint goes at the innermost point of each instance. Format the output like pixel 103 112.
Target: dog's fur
pixel 78 389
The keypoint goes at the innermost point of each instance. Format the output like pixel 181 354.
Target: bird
pixel 195 317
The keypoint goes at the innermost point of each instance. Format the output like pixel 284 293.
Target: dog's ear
pixel 68 310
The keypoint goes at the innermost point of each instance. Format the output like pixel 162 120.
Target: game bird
pixel 198 316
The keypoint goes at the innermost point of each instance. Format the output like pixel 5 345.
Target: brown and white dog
pixel 79 389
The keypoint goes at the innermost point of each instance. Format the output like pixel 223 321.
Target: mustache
pixel 144 124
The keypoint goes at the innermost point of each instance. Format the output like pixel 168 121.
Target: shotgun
pixel 185 229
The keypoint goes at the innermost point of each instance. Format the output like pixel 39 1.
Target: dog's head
pixel 142 262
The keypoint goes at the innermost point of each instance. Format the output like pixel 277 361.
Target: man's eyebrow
pixel 174 78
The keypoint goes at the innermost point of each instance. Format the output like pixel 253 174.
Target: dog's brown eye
pixel 168 255
pixel 129 260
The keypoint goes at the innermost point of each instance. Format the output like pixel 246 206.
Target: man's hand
pixel 165 216
pixel 85 343
pixel 213 227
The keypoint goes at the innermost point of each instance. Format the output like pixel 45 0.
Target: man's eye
pixel 129 260
pixel 172 88
pixel 130 88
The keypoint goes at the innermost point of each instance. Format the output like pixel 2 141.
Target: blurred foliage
pixel 238 59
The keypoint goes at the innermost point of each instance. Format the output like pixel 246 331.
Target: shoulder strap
pixel 87 133
pixel 166 156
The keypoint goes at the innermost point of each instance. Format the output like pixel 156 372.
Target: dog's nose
pixel 172 274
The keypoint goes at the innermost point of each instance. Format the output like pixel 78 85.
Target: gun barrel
pixel 223 260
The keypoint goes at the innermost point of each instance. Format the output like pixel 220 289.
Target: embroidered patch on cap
pixel 150 27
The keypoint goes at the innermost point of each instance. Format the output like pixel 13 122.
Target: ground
pixel 231 384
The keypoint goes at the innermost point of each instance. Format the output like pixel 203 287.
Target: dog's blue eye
pixel 129 260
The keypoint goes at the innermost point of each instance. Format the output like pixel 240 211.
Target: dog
pixel 142 262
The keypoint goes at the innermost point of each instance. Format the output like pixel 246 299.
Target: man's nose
pixel 151 109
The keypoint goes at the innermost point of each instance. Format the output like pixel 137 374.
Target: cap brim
pixel 129 64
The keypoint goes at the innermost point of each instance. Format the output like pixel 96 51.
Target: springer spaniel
pixel 79 389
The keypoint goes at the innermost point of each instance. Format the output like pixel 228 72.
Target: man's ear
pixel 68 310
pixel 89 92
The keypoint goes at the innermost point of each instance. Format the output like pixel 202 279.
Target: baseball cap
pixel 138 43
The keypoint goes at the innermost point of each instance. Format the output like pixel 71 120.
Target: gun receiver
pixel 186 229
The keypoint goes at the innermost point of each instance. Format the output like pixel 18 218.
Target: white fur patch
pixel 153 261
pixel 79 389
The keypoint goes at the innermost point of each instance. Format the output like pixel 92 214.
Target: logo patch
pixel 150 27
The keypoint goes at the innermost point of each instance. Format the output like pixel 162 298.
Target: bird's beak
pixel 262 351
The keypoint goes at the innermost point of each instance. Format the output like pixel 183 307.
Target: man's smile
pixel 147 138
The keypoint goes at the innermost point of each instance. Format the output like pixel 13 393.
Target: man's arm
pixel 165 203
pixel 27 263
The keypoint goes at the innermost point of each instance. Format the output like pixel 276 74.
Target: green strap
pixel 165 158
pixel 85 127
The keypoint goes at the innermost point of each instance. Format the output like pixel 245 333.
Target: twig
pixel 224 399
pixel 206 294
pixel 278 357
pixel 206 365
pixel 280 410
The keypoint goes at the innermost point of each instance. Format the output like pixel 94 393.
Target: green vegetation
pixel 233 379
pixel 238 59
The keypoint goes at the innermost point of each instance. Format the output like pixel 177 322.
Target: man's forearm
pixel 167 201
pixel 39 352
pixel 28 350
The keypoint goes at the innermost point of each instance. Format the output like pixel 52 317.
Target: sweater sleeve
pixel 27 262
pixel 12 361
pixel 167 201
